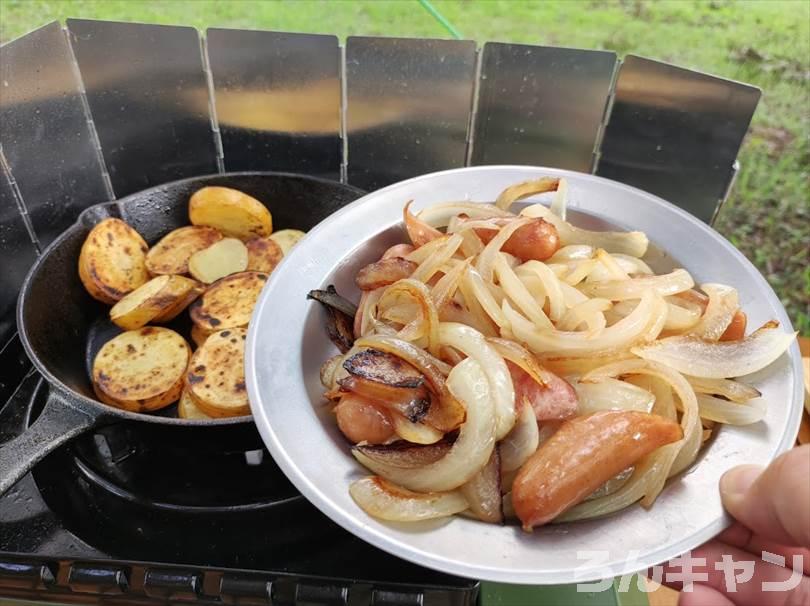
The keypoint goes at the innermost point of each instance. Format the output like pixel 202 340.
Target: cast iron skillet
pixel 62 327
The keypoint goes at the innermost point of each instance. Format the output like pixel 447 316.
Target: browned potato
pixel 141 370
pixel 287 238
pixel 171 254
pixel 230 211
pixel 228 302
pixel 188 409
pixel 263 254
pixel 216 374
pixel 112 261
pixel 163 297
pixel 221 259
pixel 181 303
pixel 199 335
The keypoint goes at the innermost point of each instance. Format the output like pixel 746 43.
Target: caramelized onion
pixel 418 231
pixel 386 501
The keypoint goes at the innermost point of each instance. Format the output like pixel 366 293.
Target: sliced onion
pixel 567 367
pixel 483 491
pixel 613 266
pixel 368 311
pixel 525 189
pixel 518 293
pixel 571 296
pixel 679 317
pixel 385 501
pixel 717 360
pixel 472 343
pixel 474 286
pixel 421 296
pixel 439 215
pixel 582 313
pixel 430 266
pixel 632 265
pixel 471 244
pixel 619 290
pixel 553 289
pixel 580 271
pixel 523 358
pixel 612 394
pixel 328 370
pixel 471 450
pixel 575 344
pixel 414 432
pixel 522 442
pixel 633 243
pixel 730 413
pixel 612 485
pixel 723 304
pixel 419 232
pixel 419 255
pixel 445 289
pixel 407 456
pixel 480 319
pixel 572 252
pixel 657 322
pixel 736 391
pixel 559 204
pixel 486 260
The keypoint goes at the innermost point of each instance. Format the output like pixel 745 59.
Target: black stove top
pixel 109 520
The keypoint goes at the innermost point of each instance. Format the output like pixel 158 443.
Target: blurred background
pixel 761 42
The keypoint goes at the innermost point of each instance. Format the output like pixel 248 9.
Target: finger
pixel 775 502
pixel 738 535
pixel 749 593
pixel 703 595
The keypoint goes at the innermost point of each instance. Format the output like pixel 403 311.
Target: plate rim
pixel 354 524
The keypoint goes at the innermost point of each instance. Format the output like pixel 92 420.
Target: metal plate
pixel 408 107
pixel 149 98
pixel 541 105
pixel 676 133
pixel 287 344
pixel 277 99
pixel 17 253
pixel 45 134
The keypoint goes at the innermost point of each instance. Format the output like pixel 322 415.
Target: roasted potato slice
pixel 216 374
pixel 171 254
pixel 287 238
pixel 141 370
pixel 263 254
pixel 228 302
pixel 112 261
pixel 199 335
pixel 228 256
pixel 187 408
pixel 161 298
pixel 231 211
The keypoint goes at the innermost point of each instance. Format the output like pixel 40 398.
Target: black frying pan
pixel 62 327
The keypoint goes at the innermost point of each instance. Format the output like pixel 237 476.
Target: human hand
pixel 772 512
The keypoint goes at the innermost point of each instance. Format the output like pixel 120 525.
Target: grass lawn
pixel 765 42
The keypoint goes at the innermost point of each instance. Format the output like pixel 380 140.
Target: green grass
pixel 766 43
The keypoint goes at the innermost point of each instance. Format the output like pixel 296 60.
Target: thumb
pixel 773 502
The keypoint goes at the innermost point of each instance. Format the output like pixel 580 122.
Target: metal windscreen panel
pixel 277 99
pixel 408 107
pixel 540 105
pixel 149 99
pixel 676 133
pixel 45 134
pixel 17 253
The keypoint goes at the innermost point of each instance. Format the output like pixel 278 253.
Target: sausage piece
pixel 537 240
pixel 581 456
pixel 556 400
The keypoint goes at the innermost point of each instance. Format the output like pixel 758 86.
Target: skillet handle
pixel 58 423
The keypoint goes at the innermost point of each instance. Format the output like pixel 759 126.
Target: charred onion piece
pixel 384 272
pixel 412 403
pixel 340 326
pixel 385 368
pixel 331 299
pixel 405 454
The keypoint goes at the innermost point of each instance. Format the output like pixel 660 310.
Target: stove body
pixel 95 110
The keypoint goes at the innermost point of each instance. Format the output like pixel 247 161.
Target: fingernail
pixel 736 482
